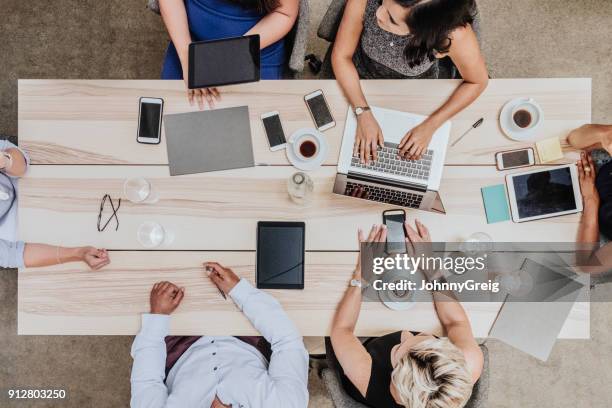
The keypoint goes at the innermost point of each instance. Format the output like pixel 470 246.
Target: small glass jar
pixel 301 188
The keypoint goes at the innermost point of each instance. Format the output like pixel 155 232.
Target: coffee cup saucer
pixel 298 161
pixel 508 126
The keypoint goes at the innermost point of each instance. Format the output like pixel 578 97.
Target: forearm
pixel 36 255
pixel 17 164
pixel 448 309
pixel 461 98
pixel 588 231
pixel 267 315
pixel 148 370
pixel 347 313
pixel 348 79
pixel 174 16
pixel 273 27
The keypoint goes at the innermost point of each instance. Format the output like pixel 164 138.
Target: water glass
pixel 301 188
pixel 138 190
pixel 151 234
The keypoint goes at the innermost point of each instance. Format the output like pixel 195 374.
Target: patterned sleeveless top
pixel 380 53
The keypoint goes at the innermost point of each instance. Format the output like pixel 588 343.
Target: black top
pixel 378 394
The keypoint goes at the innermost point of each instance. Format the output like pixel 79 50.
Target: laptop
pixel 406 183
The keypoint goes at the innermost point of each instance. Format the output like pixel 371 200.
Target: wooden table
pixel 81 136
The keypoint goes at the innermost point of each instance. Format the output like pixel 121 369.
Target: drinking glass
pixel 150 234
pixel 301 188
pixel 477 243
pixel 138 190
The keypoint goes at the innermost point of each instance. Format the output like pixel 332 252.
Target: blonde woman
pixel 409 369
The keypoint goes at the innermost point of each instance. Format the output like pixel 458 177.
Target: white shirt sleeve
pixel 11 254
pixel 287 385
pixel 149 368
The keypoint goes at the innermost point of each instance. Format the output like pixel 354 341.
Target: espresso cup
pixel 306 147
pixel 525 115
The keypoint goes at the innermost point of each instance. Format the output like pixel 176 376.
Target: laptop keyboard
pixel 389 163
pixel 386 195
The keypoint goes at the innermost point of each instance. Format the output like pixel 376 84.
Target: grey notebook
pixel 532 323
pixel 199 142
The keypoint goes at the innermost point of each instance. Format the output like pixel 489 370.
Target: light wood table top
pixel 81 136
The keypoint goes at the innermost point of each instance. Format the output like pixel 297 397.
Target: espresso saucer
pixel 307 164
pixel 510 129
pixel 394 300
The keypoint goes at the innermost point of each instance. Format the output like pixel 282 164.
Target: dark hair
pixel 262 6
pixel 431 23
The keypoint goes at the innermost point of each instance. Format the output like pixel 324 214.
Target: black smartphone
pixel 396 234
pixel 319 110
pixel 274 130
pixel 150 120
pixel 280 255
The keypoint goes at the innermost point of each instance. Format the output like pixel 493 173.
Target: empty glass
pixel 150 234
pixel 138 190
pixel 301 188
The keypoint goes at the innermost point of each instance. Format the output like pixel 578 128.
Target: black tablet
pixel 280 255
pixel 224 62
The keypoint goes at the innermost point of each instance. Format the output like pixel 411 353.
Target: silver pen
pixel 474 126
pixel 211 270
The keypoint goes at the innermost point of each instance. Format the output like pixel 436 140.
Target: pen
pixel 474 126
pixel 210 270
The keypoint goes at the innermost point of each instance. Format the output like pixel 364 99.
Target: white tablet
pixel 544 193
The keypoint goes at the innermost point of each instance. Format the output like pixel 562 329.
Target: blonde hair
pixel 433 374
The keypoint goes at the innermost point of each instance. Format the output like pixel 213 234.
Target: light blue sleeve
pixel 148 370
pixel 11 254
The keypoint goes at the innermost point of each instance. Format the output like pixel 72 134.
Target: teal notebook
pixel 495 203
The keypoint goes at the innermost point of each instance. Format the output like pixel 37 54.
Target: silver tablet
pixel 544 193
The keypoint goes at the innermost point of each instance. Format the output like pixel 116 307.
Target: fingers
pixel 373 232
pixel 368 152
pixel 209 97
pixel 381 235
pixel 374 147
pixel 356 147
pixel 412 234
pixel 215 93
pixel 178 297
pixel 199 96
pixel 190 96
pixel 423 231
pixel 360 235
pixel 580 170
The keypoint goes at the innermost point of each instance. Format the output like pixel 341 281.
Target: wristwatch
pixel 356 283
pixel 360 109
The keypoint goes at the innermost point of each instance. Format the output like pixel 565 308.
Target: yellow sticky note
pixel 549 150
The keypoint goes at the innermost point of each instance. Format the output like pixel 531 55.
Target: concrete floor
pixel 121 39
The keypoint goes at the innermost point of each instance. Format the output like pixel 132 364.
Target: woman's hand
pixel 94 258
pixel 377 235
pixel 202 96
pixel 369 136
pixel 586 176
pixel 415 142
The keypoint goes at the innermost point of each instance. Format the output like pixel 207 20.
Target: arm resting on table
pixel 148 370
pixel 288 370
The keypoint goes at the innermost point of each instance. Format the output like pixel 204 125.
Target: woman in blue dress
pixel 199 20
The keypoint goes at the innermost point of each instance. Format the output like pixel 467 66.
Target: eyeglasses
pixel 113 215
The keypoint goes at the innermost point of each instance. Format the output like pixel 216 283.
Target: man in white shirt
pixel 220 371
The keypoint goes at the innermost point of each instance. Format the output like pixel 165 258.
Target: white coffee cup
pixel 306 147
pixel 525 115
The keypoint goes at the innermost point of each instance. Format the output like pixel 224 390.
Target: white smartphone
pixel 544 193
pixel 150 120
pixel 274 130
pixel 513 159
pixel 319 110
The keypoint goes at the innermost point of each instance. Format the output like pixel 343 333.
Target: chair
pixel 297 37
pixel 329 27
pixel 341 399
